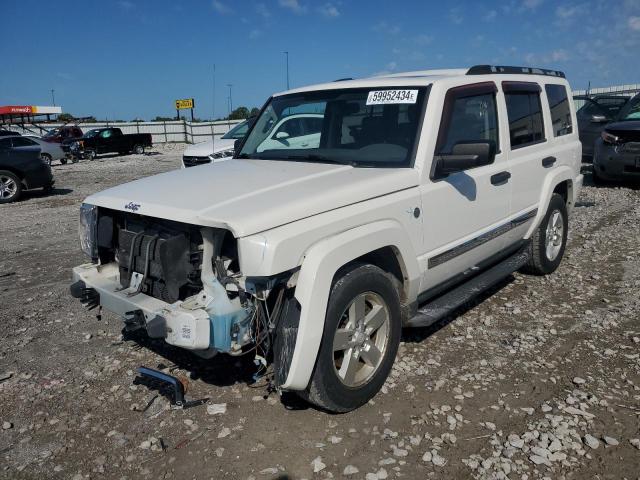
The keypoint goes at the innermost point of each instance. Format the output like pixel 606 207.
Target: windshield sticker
pixel 388 97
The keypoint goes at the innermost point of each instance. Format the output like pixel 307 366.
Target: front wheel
pixel 90 154
pixel 360 340
pixel 46 158
pixel 550 239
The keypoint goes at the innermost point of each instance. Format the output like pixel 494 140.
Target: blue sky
pixel 132 58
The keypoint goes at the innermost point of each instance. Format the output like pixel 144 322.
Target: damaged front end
pixel 179 282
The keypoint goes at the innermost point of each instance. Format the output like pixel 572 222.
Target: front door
pixel 465 211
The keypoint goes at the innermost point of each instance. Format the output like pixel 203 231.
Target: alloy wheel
pixel 361 339
pixel 554 235
pixel 8 187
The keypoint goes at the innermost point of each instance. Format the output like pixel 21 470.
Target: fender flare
pixel 321 261
pixel 554 178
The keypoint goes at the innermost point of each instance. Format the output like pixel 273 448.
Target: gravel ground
pixel 540 379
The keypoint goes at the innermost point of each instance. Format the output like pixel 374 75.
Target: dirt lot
pixel 540 379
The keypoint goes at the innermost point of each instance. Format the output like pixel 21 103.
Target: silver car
pixel 48 151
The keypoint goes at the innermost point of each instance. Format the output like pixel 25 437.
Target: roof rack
pixel 493 69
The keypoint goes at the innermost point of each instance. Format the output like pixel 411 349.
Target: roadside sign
pixel 185 103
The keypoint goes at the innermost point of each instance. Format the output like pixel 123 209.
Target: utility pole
pixel 287 55
pixel 230 99
pixel 53 97
pixel 213 102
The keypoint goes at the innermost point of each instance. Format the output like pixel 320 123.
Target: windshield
pixel 360 127
pixel 92 133
pixel 52 133
pixel 631 111
pixel 239 131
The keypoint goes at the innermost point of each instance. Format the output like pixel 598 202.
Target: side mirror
pixel 599 119
pixel 281 135
pixel 464 156
pixel 237 146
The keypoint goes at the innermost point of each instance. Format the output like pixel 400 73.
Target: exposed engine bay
pixel 200 299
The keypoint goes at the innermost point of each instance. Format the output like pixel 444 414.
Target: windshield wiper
pixel 244 155
pixel 319 158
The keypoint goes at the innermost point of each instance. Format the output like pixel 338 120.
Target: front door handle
pixel 548 161
pixel 500 178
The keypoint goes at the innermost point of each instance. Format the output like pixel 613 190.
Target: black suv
pixel 593 115
pixel 616 154
pixel 21 169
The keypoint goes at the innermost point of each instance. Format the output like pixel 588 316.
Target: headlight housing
pixel 87 229
pixel 609 137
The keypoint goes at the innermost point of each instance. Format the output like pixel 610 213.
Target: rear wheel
pixel 138 149
pixel 63 161
pixel 360 340
pixel 10 187
pixel 549 240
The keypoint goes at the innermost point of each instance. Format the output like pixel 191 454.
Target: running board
pixel 441 306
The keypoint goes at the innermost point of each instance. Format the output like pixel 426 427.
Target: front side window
pixel 525 114
pixel 560 111
pixel 362 127
pixel 472 119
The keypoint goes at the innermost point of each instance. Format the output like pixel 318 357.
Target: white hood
pixel 251 196
pixel 207 148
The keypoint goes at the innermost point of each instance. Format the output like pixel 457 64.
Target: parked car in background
pixel 617 151
pixel 21 169
pixel 214 151
pixel 48 151
pixel 7 133
pixel 64 134
pixel 595 113
pixel 109 140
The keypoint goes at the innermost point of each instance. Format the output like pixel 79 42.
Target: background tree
pixel 239 113
pixel 65 117
pixel 254 112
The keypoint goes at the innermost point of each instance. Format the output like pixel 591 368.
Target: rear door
pixel 465 211
pixel 532 148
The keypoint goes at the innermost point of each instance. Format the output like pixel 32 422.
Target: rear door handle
pixel 548 161
pixel 500 178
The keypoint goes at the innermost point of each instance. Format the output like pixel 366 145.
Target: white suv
pixel 422 190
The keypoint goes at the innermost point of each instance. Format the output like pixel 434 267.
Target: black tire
pixel 90 154
pixel 138 149
pixel 597 179
pixel 46 158
pixel 540 263
pixel 63 161
pixel 10 187
pixel 326 389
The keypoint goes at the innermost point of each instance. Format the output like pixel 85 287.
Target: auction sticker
pixel 387 97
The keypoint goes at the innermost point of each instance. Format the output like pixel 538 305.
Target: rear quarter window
pixel 559 108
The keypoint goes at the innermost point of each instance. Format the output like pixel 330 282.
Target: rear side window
pixel 23 142
pixel 525 113
pixel 470 115
pixel 560 111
